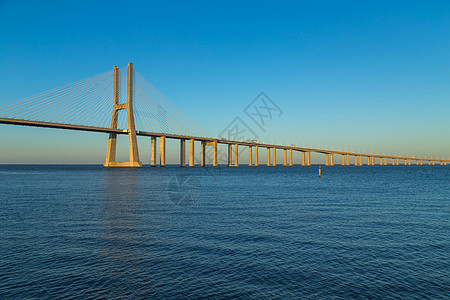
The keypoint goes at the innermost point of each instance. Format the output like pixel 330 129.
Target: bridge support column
pixel 290 158
pixel 396 161
pixel 285 157
pixel 327 158
pixel 182 153
pixel 191 153
pixel 381 161
pixel 368 161
pixel 373 161
pixel 347 160
pixel 303 158
pixel 162 151
pixel 409 161
pixel 308 158
pixel 356 160
pixel 215 153
pixel 274 157
pixel 250 156
pixel 110 160
pixel 360 160
pixel 385 161
pixel 153 151
pixel 343 160
pixel 229 154
pixel 202 154
pixel 433 163
pixel 256 156
pixel 236 155
pixel 268 157
pixel 331 159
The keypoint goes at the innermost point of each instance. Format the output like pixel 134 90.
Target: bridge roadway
pixel 329 160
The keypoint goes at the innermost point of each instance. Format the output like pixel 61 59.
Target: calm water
pixel 359 232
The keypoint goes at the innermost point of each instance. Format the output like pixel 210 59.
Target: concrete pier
pixel 191 153
pixel 153 151
pixel 202 154
pixel 285 157
pixel 308 158
pixel 268 156
pixel 303 158
pixel 230 150
pixel 236 155
pixel 250 157
pixel 182 153
pixel 274 157
pixel 215 153
pixel 256 156
pixel 162 151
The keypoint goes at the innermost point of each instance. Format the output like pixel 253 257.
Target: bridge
pixel 94 94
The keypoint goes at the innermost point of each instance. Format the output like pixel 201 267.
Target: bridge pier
pixel 308 158
pixel 285 157
pixel 182 153
pixel 191 153
pixel 250 156
pixel 153 151
pixel 236 155
pixel 274 157
pixel 303 158
pixel 230 150
pixel 256 156
pixel 215 153
pixel 162 151
pixel 202 154
pixel 327 158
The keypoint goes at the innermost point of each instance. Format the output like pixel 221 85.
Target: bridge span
pixel 233 145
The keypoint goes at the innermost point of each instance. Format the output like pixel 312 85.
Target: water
pixel 359 232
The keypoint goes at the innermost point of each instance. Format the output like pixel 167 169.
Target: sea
pixel 356 232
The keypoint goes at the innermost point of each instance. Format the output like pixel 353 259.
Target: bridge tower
pixel 132 140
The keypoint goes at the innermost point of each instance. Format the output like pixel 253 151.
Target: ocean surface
pixel 370 232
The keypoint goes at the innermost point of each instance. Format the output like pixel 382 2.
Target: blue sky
pixel 356 75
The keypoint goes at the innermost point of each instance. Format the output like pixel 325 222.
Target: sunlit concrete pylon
pixel 132 140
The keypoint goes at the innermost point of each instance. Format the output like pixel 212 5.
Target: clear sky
pixel 357 75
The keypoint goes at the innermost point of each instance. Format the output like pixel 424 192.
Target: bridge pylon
pixel 132 140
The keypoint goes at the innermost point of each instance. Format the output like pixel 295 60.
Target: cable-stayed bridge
pixel 119 104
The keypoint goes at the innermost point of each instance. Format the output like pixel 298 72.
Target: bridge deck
pixel 176 136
